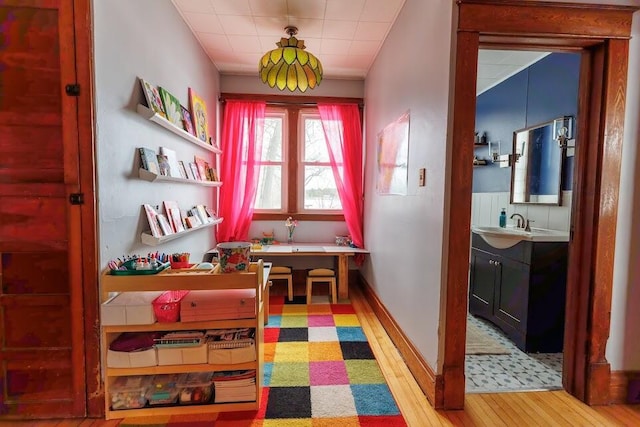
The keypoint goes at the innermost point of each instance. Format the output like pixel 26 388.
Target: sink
pixel 502 238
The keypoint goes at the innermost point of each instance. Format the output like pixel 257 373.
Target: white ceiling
pixel 345 35
pixel 495 66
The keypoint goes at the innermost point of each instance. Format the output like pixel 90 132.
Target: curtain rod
pixel 299 104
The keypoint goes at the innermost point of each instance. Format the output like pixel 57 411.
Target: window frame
pixel 312 114
pixel 293 105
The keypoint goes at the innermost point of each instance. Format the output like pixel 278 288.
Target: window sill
pixel 297 216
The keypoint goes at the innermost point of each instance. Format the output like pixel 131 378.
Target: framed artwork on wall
pixel 152 97
pixel 199 114
pixel 393 157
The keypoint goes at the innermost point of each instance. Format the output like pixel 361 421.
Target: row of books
pixel 175 220
pixel 166 163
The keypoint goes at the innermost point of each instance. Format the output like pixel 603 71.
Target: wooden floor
pixel 552 408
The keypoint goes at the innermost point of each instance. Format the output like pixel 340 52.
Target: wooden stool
pixel 283 273
pixel 323 275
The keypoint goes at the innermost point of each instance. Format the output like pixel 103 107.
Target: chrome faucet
pixel 521 221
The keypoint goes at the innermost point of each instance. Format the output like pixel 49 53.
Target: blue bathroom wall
pixel 542 92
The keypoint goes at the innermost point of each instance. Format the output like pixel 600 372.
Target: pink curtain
pixel 343 134
pixel 241 147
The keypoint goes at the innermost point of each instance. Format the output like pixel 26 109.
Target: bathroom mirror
pixel 538 155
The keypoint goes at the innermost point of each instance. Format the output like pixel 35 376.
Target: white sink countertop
pixel 502 238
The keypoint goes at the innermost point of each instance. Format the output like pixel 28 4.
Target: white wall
pixel 405 233
pixel 623 348
pixel 145 38
pixel 486 207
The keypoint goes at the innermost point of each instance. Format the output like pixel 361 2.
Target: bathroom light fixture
pixel 290 66
pixel 563 130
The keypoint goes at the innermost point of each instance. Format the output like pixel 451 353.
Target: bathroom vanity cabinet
pixel 521 289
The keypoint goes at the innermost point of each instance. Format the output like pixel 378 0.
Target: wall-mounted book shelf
pixel 152 177
pixel 150 115
pixel 150 240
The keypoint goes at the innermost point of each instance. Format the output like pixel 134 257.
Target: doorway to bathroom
pixel 516 313
pixel 601 36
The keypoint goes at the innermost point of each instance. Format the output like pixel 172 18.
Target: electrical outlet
pixel 422 180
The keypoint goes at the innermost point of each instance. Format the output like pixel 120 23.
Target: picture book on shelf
pixel 173 214
pixel 152 96
pixel 149 160
pixel 164 225
pixel 152 218
pixel 171 107
pixel 172 159
pixel 182 170
pixel 202 169
pixel 163 165
pixel 194 171
pixel 187 121
pixel 199 114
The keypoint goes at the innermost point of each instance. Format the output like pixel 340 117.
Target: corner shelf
pixel 156 118
pixel 152 177
pixel 151 240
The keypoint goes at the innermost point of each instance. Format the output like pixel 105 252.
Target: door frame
pixel 601 34
pixel 87 291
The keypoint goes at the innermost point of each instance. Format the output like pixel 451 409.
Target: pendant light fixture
pixel 290 66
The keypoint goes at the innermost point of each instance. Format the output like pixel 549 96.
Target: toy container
pixel 129 392
pixel 195 388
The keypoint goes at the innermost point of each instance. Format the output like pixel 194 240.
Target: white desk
pixel 340 253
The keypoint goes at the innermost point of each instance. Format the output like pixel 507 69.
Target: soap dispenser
pixel 503 218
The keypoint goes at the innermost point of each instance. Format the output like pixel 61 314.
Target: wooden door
pixel 42 368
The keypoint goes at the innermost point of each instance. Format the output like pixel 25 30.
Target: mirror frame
pixel 562 121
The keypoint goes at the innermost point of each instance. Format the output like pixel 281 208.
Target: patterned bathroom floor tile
pixel 517 371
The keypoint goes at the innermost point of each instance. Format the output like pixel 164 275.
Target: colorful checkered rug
pixel 319 371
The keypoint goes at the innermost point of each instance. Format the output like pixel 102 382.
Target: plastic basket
pixel 166 307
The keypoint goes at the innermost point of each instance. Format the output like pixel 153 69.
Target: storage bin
pixel 129 308
pixel 164 389
pixel 129 392
pixel 189 355
pixel 230 352
pixel 196 388
pixel 218 305
pixel 166 307
pixel 132 359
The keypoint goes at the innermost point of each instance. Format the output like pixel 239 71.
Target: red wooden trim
pixel 615 87
pixel 461 154
pixel 618 386
pixel 544 18
pixel 586 370
pixel 70 143
pixel 299 217
pixel 290 99
pixel 580 254
pixel 88 222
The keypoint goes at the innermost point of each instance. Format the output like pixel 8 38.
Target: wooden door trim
pixel 506 20
pixel 88 223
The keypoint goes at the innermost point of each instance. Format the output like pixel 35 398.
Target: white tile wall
pixel 486 207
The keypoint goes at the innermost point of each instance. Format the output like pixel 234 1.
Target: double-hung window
pixel 295 173
pixel 318 192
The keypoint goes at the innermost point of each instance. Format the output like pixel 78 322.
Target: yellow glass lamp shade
pixel 290 66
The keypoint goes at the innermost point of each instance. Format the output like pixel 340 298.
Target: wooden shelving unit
pixel 167 280
pixel 150 240
pixel 148 114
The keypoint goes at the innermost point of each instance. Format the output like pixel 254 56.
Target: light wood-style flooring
pixel 551 408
